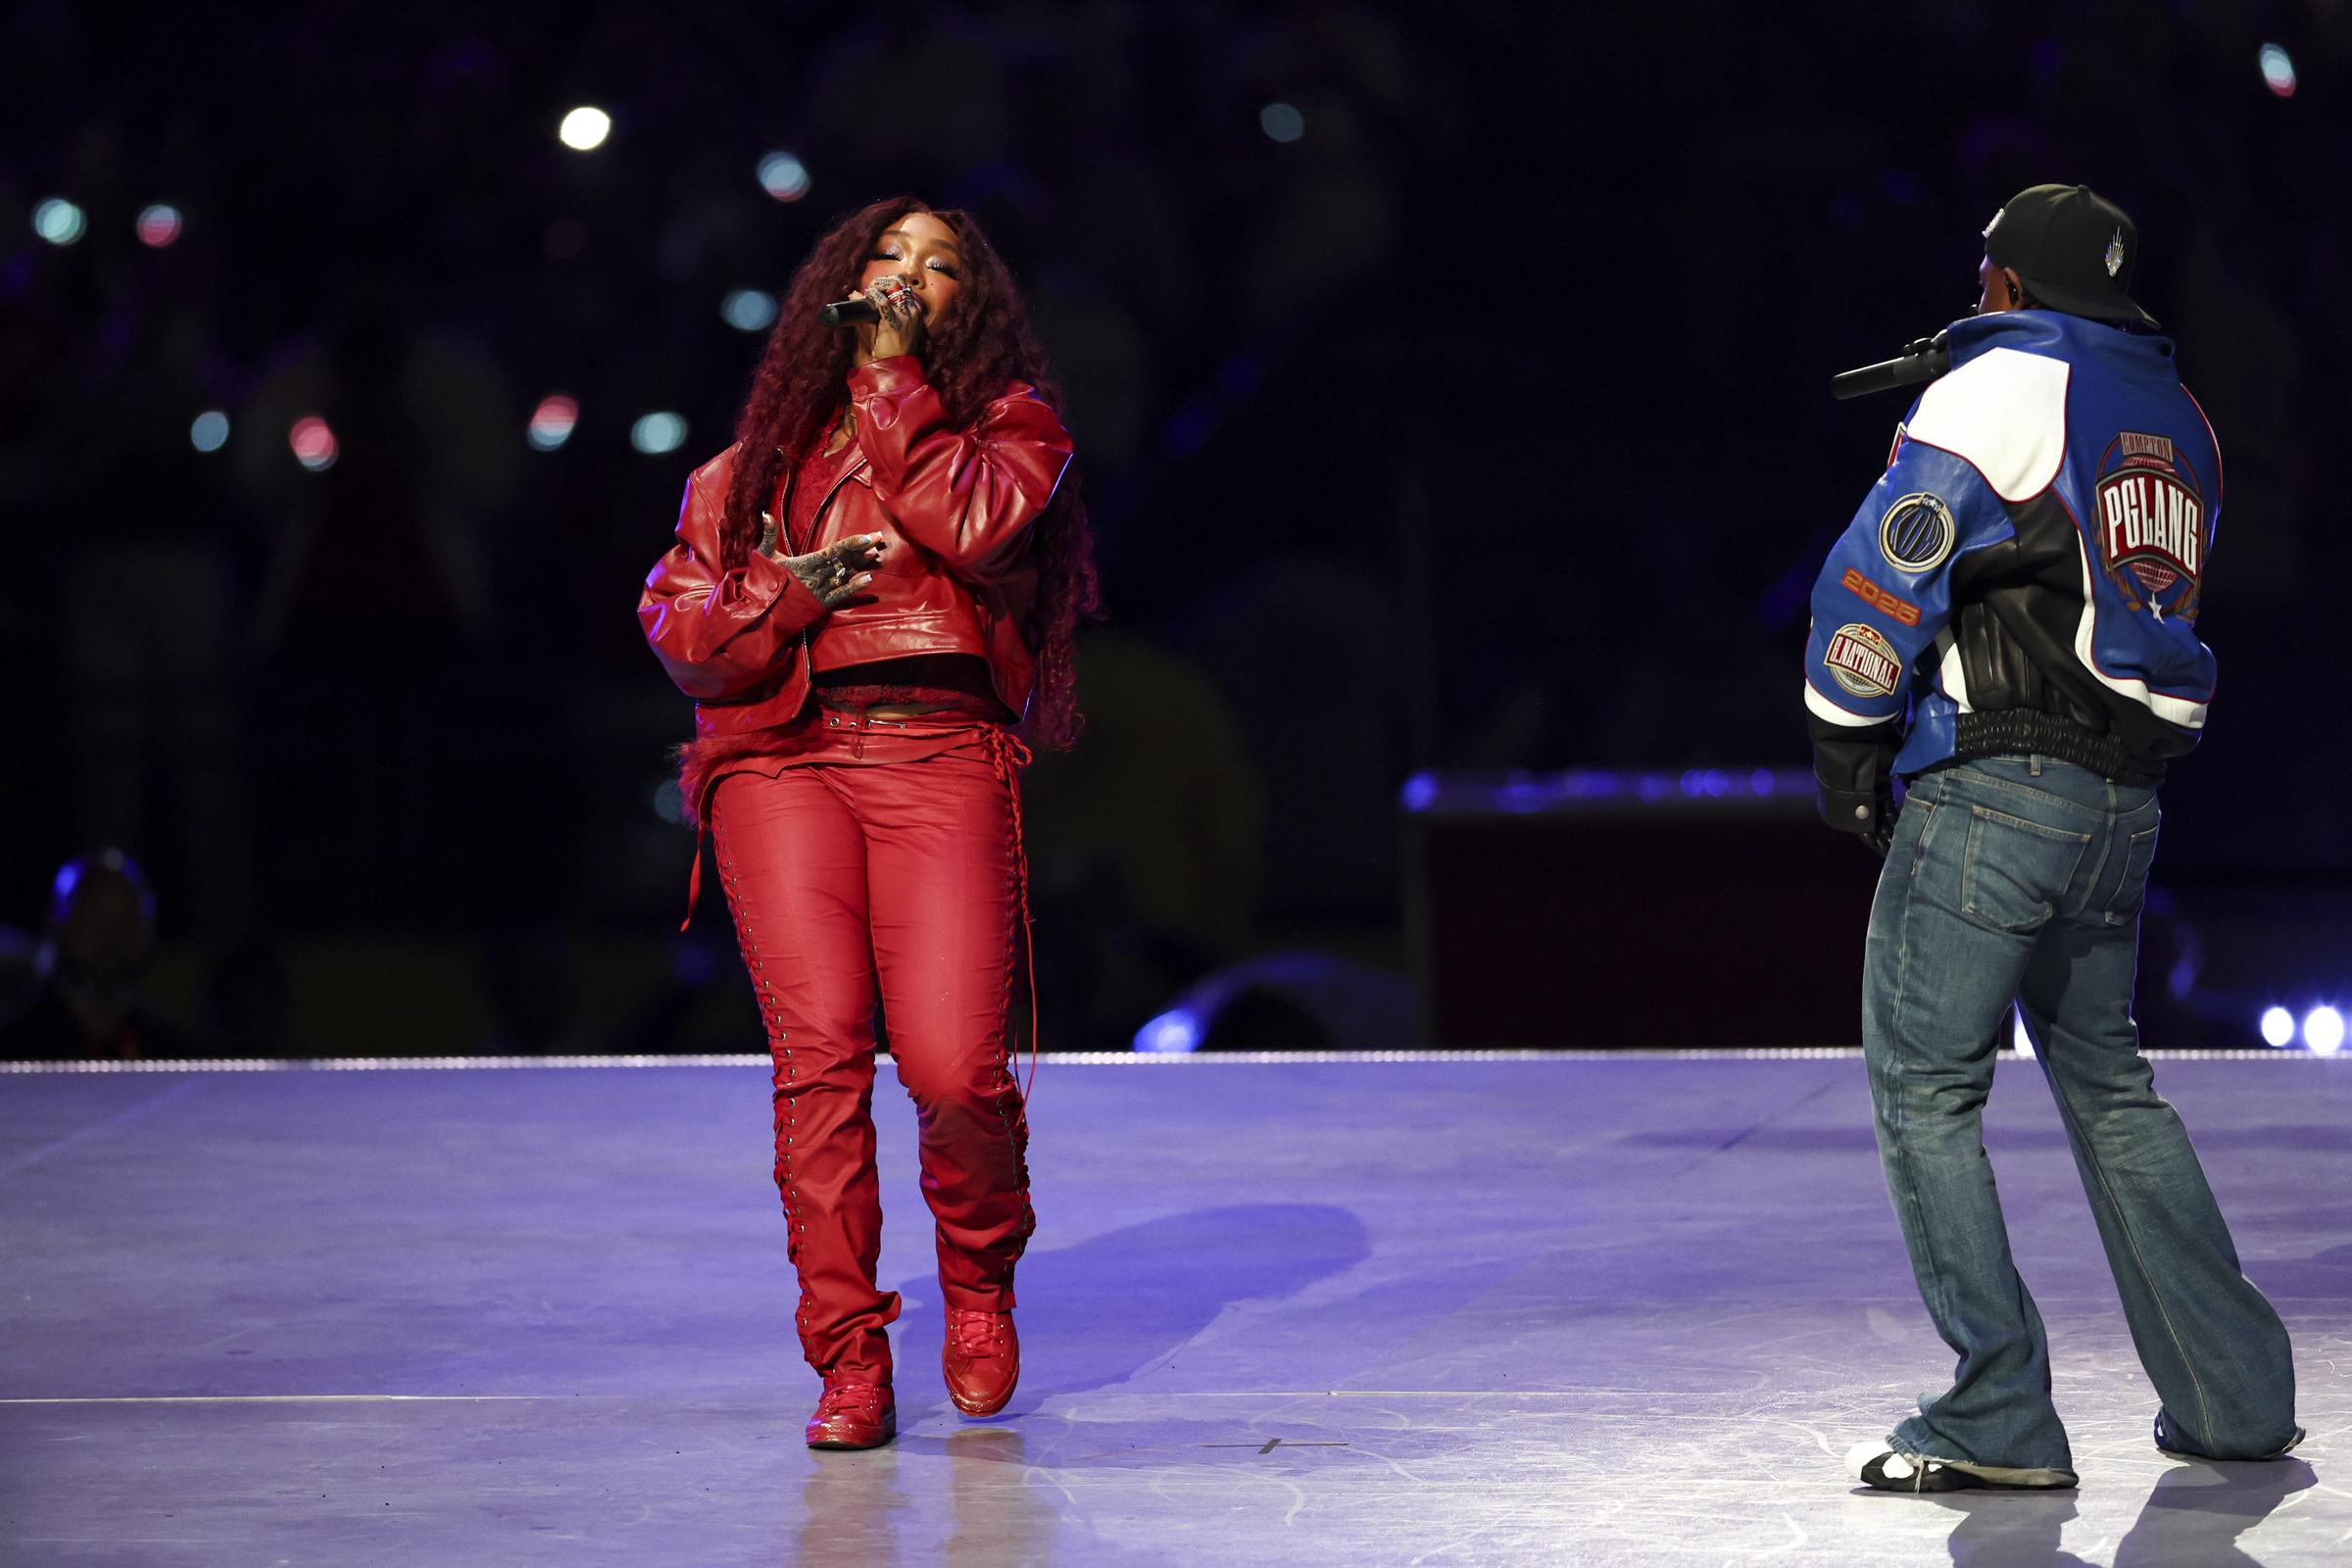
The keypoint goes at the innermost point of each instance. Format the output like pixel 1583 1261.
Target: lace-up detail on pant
pixel 1009 756
pixel 786 1089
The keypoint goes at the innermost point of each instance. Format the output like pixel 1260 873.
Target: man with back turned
pixel 2010 626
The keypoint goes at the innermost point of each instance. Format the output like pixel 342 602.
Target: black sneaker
pixel 1879 1464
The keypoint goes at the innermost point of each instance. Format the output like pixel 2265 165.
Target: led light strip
pixel 1092 1059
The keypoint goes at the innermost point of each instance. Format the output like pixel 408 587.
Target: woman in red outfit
pixel 868 590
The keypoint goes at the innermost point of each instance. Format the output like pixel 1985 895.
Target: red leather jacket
pixel 954 508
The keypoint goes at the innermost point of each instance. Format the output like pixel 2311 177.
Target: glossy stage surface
pixel 1599 1310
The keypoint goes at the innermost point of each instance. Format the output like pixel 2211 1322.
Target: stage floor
pixel 1599 1310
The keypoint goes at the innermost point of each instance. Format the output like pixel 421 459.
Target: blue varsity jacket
pixel 2026 575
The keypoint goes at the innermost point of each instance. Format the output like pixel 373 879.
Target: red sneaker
pixel 982 1360
pixel 853 1415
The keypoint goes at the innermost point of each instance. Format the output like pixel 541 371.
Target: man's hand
pixel 1880 836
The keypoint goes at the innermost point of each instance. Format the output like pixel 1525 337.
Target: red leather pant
pixel 846 872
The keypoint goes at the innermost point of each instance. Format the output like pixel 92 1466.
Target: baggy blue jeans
pixel 2020 877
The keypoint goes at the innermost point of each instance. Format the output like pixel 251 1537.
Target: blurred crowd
pixel 1449 383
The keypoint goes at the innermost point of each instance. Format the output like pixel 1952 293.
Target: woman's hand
pixel 837 574
pixel 900 327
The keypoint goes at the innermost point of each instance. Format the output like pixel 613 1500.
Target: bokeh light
pixel 657 433
pixel 2323 1031
pixel 749 309
pixel 585 128
pixel 2278 71
pixel 784 177
pixel 313 443
pixel 59 221
pixel 158 225
pixel 1174 1033
pixel 209 431
pixel 1282 122
pixel 2277 1028
pixel 552 421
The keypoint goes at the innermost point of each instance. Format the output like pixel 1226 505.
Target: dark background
pixel 1482 426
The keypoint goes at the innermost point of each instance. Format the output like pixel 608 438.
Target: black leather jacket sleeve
pixel 1853 778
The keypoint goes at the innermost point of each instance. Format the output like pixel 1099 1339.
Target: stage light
pixel 552 422
pixel 585 128
pixel 158 225
pixel 2278 71
pixel 1282 122
pixel 1174 1033
pixel 209 431
pixel 657 433
pixel 313 443
pixel 59 221
pixel 748 310
pixel 2323 1031
pixel 784 177
pixel 2277 1028
pixel 669 803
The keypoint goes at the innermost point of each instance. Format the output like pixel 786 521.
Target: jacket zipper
pixel 815 518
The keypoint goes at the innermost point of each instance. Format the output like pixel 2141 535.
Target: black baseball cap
pixel 2074 248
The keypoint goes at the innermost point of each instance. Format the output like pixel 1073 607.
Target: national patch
pixel 1861 660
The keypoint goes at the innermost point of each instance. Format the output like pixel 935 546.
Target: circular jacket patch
pixel 1918 533
pixel 1862 660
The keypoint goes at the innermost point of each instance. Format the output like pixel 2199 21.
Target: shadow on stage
pixel 1116 1304
pixel 1107 1310
pixel 2194 1519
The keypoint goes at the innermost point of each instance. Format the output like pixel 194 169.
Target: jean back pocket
pixel 2131 887
pixel 2013 873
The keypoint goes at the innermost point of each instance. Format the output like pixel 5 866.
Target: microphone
pixel 1922 361
pixel 844 312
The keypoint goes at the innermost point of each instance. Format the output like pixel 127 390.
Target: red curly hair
pixel 984 343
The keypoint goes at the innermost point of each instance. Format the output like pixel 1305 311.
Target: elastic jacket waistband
pixel 2025 732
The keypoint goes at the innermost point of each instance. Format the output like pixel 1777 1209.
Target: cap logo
pixel 2114 254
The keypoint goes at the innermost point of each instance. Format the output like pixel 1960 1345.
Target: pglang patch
pixel 2151 524
pixel 1862 660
